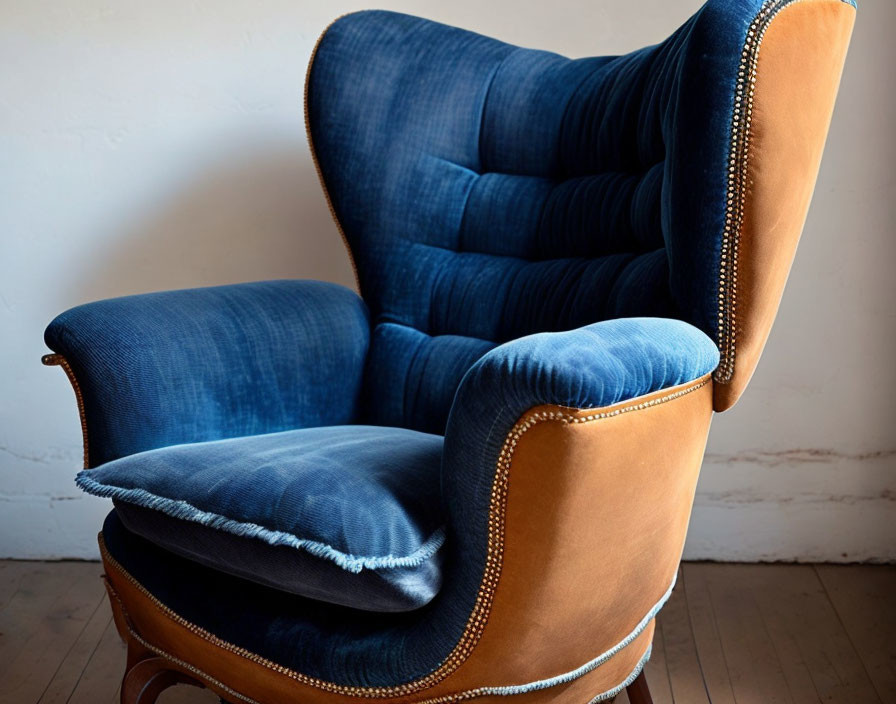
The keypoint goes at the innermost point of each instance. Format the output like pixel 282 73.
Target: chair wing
pixel 488 191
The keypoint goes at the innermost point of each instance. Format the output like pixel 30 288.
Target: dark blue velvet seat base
pixel 334 643
pixel 348 514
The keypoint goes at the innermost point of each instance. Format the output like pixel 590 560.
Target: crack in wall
pixel 41 498
pixel 770 458
pixel 47 457
pixel 735 498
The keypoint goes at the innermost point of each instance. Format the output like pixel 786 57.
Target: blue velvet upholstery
pixel 488 193
pixel 357 506
pixel 596 366
pixel 203 364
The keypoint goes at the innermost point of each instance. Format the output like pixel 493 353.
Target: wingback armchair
pixel 474 481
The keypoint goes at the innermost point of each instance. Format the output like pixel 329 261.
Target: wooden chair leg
pixel 136 653
pixel 637 691
pixel 147 677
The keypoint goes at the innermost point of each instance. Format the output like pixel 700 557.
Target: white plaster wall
pixel 154 145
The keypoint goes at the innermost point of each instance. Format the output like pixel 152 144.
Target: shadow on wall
pixel 258 214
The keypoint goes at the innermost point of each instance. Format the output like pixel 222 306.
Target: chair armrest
pixel 595 366
pixel 568 474
pixel 202 364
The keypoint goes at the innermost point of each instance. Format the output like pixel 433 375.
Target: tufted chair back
pixel 489 192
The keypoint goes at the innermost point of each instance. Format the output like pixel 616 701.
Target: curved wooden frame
pixel 148 675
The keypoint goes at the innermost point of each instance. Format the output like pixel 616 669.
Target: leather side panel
pixel 597 514
pixel 798 73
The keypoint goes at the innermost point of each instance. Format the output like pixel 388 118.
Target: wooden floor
pixel 731 634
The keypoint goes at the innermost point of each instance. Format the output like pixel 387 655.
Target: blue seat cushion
pixel 345 514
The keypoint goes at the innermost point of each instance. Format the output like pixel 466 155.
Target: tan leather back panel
pixel 798 73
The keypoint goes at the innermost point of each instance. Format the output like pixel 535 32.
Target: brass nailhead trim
pixel 738 181
pixel 54 360
pixel 485 596
pixel 132 632
pixel 190 668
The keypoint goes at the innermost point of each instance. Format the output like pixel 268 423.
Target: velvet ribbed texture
pixel 357 506
pixel 596 366
pixel 488 193
pixel 203 364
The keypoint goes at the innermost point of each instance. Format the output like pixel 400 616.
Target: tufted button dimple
pixel 645 208
pixel 502 194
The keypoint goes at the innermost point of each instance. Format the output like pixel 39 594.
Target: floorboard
pixel 808 632
pixel 682 661
pixel 864 598
pixel 657 671
pixel 44 620
pixel 102 673
pixel 73 667
pixel 707 637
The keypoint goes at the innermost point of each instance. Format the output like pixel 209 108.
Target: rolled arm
pixel 569 471
pixel 595 366
pixel 201 364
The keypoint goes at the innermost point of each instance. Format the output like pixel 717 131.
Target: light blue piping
pixel 186 511
pixel 591 665
pixel 610 693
